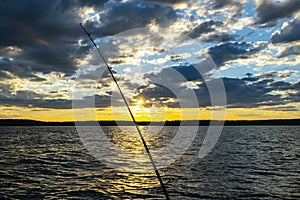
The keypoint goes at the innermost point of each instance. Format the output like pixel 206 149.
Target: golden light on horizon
pixel 142 113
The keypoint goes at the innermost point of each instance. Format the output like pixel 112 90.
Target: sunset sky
pixel 254 46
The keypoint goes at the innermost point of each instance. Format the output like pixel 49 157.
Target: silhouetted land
pixel 21 122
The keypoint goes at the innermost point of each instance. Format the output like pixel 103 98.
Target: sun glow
pixel 158 114
pixel 140 103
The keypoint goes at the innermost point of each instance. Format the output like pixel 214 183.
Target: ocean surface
pixel 250 162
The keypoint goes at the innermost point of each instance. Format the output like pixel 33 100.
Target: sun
pixel 140 112
pixel 140 103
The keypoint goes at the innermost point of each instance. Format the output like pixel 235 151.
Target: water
pixel 247 162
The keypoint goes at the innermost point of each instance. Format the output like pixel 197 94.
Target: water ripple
pixel 247 162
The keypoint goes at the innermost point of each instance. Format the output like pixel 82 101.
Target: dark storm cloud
pixel 239 93
pixel 291 50
pixel 219 37
pixel 281 85
pixel 242 94
pixel 46 32
pixel 297 86
pixel 30 99
pixel 247 92
pixel 14 67
pixel 48 59
pixel 268 12
pixel 206 32
pixel 234 6
pixel 257 92
pixel 217 4
pixel 231 51
pixel 167 1
pixel 92 3
pixel 274 74
pixel 189 72
pixel 250 79
pixel 27 22
pixel 120 17
pixel 221 3
pixel 296 96
pixel 30 103
pixel 43 37
pixel 289 33
pixel 167 84
pixel 158 92
pixel 205 27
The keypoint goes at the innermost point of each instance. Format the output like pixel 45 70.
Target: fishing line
pixel 131 115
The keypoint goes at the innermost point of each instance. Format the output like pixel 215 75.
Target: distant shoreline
pixel 277 122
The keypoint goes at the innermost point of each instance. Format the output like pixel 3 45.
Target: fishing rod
pixel 131 115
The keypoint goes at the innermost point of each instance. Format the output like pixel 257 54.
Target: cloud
pixel 289 32
pixel 32 21
pixel 43 36
pixel 119 17
pixel 45 33
pixel 218 37
pixel 231 51
pixel 221 3
pixel 167 1
pixel 282 108
pixel 30 99
pixel 241 94
pixel 296 95
pixel 281 85
pixel 218 4
pixel 189 72
pixel 291 50
pixel 245 92
pixel 264 92
pixel 166 86
pixel 233 9
pixel 268 12
pixel 11 68
pixel 5 75
pixel 204 27
pixel 207 32
pixel 91 3
pixel 39 38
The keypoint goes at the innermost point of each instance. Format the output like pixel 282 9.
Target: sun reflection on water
pixel 143 181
